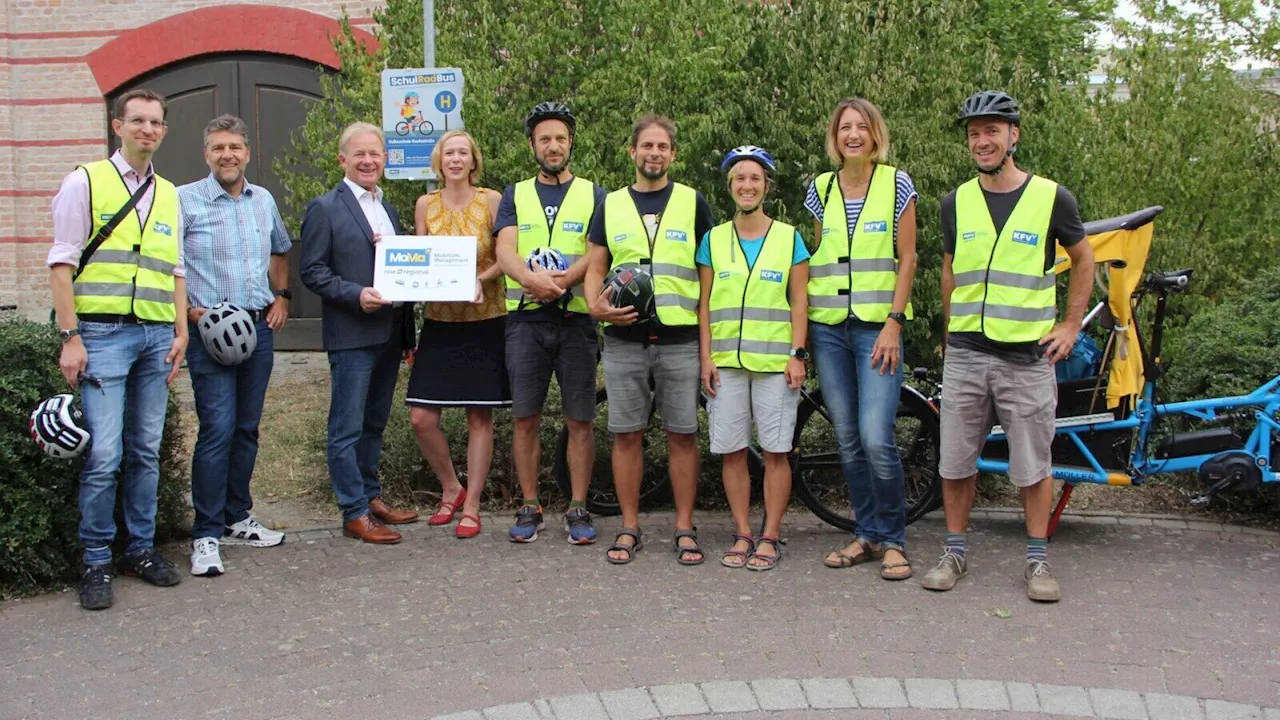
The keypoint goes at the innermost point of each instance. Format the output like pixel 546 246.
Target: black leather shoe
pixel 95 588
pixel 152 567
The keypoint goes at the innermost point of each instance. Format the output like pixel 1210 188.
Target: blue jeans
pixel 129 360
pixel 229 404
pixel 863 405
pixel 362 383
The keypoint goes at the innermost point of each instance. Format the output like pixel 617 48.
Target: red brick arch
pixel 222 29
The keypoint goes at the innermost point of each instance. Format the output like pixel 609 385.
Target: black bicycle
pixel 817 478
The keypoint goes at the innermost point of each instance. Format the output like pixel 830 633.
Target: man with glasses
pixel 120 300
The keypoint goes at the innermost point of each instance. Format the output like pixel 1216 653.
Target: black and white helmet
pixel 228 333
pixel 55 426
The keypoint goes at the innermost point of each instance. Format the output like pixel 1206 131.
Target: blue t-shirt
pixel 751 249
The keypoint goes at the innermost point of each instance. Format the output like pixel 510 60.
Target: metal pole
pixel 429 33
pixel 429 48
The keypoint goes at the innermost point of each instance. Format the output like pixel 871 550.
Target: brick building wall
pixel 59 59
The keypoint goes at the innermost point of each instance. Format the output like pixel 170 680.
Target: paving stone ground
pixel 1157 621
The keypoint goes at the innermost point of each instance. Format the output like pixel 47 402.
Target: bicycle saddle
pixel 1124 222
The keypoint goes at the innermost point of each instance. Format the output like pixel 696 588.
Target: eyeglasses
pixel 139 123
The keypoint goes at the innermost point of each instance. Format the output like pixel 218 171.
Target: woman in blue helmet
pixel 753 272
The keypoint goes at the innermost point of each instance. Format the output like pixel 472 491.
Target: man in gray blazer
pixel 364 334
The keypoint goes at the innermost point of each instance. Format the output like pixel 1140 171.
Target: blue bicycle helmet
pixel 411 94
pixel 748 152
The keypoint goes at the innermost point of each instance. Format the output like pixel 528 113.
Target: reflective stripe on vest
pixel 566 232
pixel 749 307
pixel 1002 288
pixel 132 271
pixel 855 271
pixel 675 277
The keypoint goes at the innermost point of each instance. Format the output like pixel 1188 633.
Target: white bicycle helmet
pixel 228 333
pixel 55 426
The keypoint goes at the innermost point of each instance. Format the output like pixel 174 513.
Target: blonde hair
pixel 875 122
pixel 359 128
pixel 477 167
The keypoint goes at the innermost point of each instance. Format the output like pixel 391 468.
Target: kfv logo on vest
pixel 771 276
pixel 571 227
pixel 677 235
pixel 163 229
pixel 1026 238
pixel 408 258
pixel 875 226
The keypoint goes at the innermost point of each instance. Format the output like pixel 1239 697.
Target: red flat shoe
pixel 444 515
pixel 462 532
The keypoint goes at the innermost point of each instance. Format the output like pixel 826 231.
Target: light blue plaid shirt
pixel 228 243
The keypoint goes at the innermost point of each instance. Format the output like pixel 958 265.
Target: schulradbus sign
pixel 418 106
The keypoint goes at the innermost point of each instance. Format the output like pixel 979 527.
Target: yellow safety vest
pixel 855 271
pixel 750 308
pixel 675 277
pixel 132 271
pixel 566 232
pixel 1002 287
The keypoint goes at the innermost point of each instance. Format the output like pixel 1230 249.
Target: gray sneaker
pixel 946 573
pixel 1041 586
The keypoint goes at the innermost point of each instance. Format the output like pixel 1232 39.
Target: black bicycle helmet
pixel 550 110
pixel 632 287
pixel 990 103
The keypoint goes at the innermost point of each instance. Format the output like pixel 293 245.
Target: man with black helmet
pixel 1000 237
pixel 549 328
pixel 654 223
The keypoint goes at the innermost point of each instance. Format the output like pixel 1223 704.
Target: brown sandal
pixel 889 571
pixel 844 560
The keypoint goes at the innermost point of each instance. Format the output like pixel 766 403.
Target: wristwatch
pixel 285 293
pixel 900 317
pixel 68 334
pixel 800 354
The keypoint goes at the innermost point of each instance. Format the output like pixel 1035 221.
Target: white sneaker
pixel 250 532
pixel 205 560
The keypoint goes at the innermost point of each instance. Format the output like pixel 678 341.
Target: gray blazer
pixel 337 263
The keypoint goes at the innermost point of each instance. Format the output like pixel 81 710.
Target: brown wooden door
pixel 271 94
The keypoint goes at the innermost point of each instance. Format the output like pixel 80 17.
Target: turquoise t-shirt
pixel 751 249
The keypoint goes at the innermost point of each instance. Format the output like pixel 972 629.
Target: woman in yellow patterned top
pixel 460 358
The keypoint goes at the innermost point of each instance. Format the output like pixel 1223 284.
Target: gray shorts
pixel 676 370
pixel 535 350
pixel 743 396
pixel 977 389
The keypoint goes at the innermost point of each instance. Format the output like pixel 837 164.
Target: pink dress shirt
pixel 72 218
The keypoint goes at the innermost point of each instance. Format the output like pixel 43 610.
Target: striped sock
pixel 1036 548
pixel 955 543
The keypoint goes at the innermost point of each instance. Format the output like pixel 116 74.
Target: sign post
pixel 418 106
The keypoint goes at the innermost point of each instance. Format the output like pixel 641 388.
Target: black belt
pixel 111 318
pixel 258 315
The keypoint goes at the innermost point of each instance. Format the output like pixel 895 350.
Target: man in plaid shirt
pixel 237 252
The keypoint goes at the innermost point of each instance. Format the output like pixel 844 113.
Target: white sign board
pixel 418 106
pixel 430 268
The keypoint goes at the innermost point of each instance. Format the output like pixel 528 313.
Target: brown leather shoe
pixel 368 529
pixel 386 514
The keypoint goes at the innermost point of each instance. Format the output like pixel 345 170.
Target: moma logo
pixel 408 257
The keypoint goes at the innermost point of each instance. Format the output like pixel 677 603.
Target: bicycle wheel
pixel 425 128
pixel 402 128
pixel 602 499
pixel 820 482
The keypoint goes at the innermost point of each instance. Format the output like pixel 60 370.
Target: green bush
pixel 39 545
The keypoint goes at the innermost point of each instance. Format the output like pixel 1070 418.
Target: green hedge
pixel 39 545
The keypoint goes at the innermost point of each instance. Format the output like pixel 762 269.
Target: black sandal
pixel 692 534
pixel 743 554
pixel 630 550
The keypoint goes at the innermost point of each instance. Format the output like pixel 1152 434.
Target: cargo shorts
pixel 979 388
